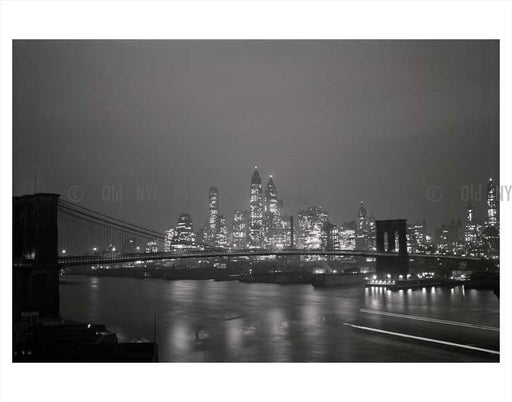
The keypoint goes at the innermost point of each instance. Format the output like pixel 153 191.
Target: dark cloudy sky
pixel 335 122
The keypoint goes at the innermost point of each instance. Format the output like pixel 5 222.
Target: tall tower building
pixel 213 213
pixel 239 230
pixel 470 231
pixel 169 236
pixel 283 235
pixel 202 234
pixel 470 217
pixel 271 216
pixel 271 200
pixel 330 237
pixel 184 236
pixel 416 237
pixel 221 237
pixel 491 234
pixel 492 212
pixel 362 228
pixel 256 211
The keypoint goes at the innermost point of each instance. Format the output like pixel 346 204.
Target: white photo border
pixel 255 20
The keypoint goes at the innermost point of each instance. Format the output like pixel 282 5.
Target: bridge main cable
pixel 92 216
pixel 110 226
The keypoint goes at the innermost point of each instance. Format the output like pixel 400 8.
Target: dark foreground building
pixel 39 333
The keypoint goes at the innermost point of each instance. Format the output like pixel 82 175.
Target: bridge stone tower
pixel 392 238
pixel 35 268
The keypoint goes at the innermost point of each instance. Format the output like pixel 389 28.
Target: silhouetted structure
pixel 36 274
pixel 392 238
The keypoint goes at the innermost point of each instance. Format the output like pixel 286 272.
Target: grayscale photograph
pixel 256 201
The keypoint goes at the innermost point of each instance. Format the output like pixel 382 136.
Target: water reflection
pixel 232 321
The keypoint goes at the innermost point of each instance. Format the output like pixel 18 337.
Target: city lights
pixel 265 226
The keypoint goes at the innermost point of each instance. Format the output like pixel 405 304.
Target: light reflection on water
pixel 232 321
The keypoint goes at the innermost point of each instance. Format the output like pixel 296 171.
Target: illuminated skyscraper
pixel 221 236
pixel 202 234
pixel 416 237
pixel 448 234
pixel 271 214
pixel 492 213
pixel 184 236
pixel 470 231
pixel 311 224
pixel 347 238
pixel 491 232
pixel 282 235
pixel 239 230
pixel 330 237
pixel 372 234
pixel 169 236
pixel 271 200
pixel 256 211
pixel 362 229
pixel 213 209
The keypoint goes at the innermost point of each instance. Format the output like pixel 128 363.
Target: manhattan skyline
pixel 266 225
pixel 334 122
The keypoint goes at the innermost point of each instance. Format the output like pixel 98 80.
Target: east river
pixel 207 321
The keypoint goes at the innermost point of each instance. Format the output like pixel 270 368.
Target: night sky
pixel 335 122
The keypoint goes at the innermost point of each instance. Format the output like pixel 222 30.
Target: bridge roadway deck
pixel 80 260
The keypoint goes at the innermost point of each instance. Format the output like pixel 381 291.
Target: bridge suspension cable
pixel 83 231
pixel 107 225
pixel 107 219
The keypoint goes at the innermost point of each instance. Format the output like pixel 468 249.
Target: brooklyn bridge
pixel 50 234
